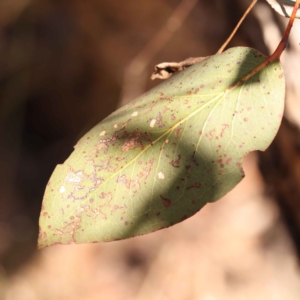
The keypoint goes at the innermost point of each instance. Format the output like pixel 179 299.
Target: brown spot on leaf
pixel 223 128
pixel 210 134
pixel 167 202
pixel 228 160
pixel 177 131
pixel 220 162
pixel 166 109
pixel 196 185
pixel 159 120
pixel 135 139
pixel 184 217
pixel 104 144
pixel 176 162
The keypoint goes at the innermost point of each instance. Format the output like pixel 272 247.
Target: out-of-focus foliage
pixel 284 7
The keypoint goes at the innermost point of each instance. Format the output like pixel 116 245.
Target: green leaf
pixel 162 157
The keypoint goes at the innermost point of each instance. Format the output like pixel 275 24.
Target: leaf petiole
pixel 282 45
pixel 277 53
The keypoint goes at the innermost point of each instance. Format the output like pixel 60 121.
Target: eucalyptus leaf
pixel 284 7
pixel 158 160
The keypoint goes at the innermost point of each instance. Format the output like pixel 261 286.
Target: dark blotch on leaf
pixel 166 201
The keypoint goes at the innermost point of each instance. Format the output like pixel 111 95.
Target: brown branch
pixel 135 76
pixel 277 53
pixel 237 26
pixel 282 45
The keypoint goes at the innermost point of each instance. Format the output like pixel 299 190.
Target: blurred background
pixel 64 66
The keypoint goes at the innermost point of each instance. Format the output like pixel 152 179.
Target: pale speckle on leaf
pixel 134 114
pixel 80 209
pixel 73 177
pixel 152 123
pixel 103 133
pixel 161 175
pixel 62 189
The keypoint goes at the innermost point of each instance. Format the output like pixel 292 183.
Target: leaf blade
pixel 159 159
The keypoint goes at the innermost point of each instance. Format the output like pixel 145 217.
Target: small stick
pixel 237 26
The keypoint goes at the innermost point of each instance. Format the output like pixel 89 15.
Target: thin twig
pixel 135 76
pixel 237 26
pixel 166 70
